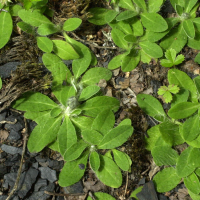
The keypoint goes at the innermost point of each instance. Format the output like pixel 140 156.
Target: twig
pixel 8 122
pixel 146 170
pixel 91 195
pixel 91 43
pixel 21 162
pixel 126 185
pixel 63 195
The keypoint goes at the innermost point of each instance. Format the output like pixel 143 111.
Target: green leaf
pixel 43 134
pixel 154 6
pixel 94 160
pixel 182 96
pixel 179 9
pixel 194 154
pixel 136 25
pixel 192 183
pixel 127 4
pixel 59 70
pixel 197 58
pixel 118 38
pixel 196 22
pixel 121 159
pixel 35 102
pixel 151 49
pixel 34 18
pixel 55 112
pixel 126 15
pixel 153 136
pixel 80 65
pixel 116 137
pixel 116 62
pixel 91 136
pixel 194 196
pixel 54 146
pixel 189 5
pixel 94 75
pixel 66 136
pixel 45 44
pixel 176 39
pixel 183 110
pixel 151 106
pixel 15 9
pixel 170 133
pixel 136 191
pixel 64 50
pixel 26 27
pixel 166 179
pixel 164 155
pixel 109 173
pixel 38 117
pixel 75 150
pixel 184 167
pixel 110 15
pixel 88 92
pixel 71 172
pixel 104 122
pixel 188 27
pixel 72 24
pixel 6 27
pixel 191 128
pixel 98 16
pixel 197 83
pixel 153 22
pixel 194 42
pixel 125 122
pixel 141 4
pixel 48 29
pixel 82 122
pixel 130 61
pixel 130 38
pixel 101 196
pixel 181 79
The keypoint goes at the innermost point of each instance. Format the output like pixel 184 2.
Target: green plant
pixel 165 137
pixel 101 196
pixel 185 28
pixel 171 60
pixel 166 92
pixel 197 58
pixel 0 83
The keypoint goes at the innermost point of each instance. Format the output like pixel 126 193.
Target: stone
pixel 19 125
pixel 14 135
pixel 6 69
pixel 3 170
pixel 49 174
pixel 40 183
pixel 11 150
pixel 75 188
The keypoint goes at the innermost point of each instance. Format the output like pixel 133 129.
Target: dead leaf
pixel 154 169
pixel 3 135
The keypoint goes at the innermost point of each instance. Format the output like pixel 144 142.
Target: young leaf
pixel 130 38
pixel 184 167
pixel 72 24
pixel 176 39
pixel 130 61
pixel 0 83
pixel 136 191
pixel 48 29
pixel 116 137
pixel 110 15
pixel 55 112
pixel 170 133
pixel 151 106
pixel 44 134
pixel 35 102
pixel 181 79
pixel 183 110
pixel 136 25
pixel 66 136
pixel 58 69
pixel 101 196
pixel 141 4
pixel 126 15
pixel 94 161
pixel 6 27
pixel 71 172
pixel 34 18
pixel 116 62
pixel 188 27
pixel 98 16
pixel 127 4
pixel 94 75
pixel 153 22
pixel 91 136
pixel 75 150
pixel 45 44
pixel 151 49
pixel 166 179
pixel 27 28
pixel 64 50
pixel 88 92
pixel 104 122
pixel 164 155
pixel 179 9
pixel 191 128
pixel 194 154
pixel 189 5
pixel 109 173
pixel 121 160
pixel 192 183
pixel 122 26
pixel 82 122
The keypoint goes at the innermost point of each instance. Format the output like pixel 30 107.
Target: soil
pixel 44 167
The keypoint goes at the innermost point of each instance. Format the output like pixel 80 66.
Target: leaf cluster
pixel 171 132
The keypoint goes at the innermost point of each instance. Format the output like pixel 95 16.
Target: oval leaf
pixel 188 27
pixel 48 29
pixel 192 183
pixel 45 44
pixel 91 136
pixel 72 24
pixel 94 161
pixel 126 15
pixel 88 92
